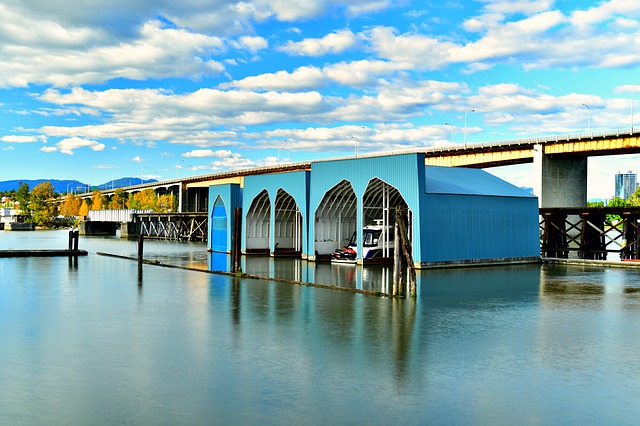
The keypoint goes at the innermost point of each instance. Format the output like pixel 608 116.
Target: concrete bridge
pixel 560 166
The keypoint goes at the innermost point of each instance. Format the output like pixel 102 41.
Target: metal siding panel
pixel 461 227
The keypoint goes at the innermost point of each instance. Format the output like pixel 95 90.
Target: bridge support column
pixel 559 180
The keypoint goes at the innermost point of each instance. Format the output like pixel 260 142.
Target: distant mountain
pixel 58 185
pixel 122 182
pixel 62 186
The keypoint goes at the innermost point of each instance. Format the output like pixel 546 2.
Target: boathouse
pixel 454 216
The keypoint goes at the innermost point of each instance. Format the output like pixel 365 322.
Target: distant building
pixel 626 184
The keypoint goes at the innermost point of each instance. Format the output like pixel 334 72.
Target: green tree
pixel 617 202
pixel 634 199
pixel 23 196
pixel 43 206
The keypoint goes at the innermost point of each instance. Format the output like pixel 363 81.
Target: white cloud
pixel 137 159
pixel 202 153
pixel 252 44
pixel 336 42
pixel 19 139
pixel 158 52
pixel 66 146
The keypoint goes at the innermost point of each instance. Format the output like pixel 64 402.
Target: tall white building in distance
pixel 626 184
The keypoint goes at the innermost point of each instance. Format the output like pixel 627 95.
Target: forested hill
pixel 72 185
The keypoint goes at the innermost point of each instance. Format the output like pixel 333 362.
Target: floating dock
pixel 42 253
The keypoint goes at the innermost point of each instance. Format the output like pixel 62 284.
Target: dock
pixel 42 253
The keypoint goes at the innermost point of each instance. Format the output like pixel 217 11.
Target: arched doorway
pixel 258 224
pixel 219 227
pixel 335 220
pixel 287 226
pixel 379 204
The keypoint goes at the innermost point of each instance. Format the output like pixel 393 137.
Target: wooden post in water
pixel 406 250
pixel 140 249
pixel 236 236
pixel 74 236
pixel 397 262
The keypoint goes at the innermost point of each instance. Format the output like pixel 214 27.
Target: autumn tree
pixel 98 201
pixel 71 206
pixel 118 200
pixel 143 200
pixel 42 204
pixel 84 209
pixel 166 203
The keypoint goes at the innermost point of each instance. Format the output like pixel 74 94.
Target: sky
pixel 160 89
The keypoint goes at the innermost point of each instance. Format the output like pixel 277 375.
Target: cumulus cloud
pixel 158 52
pixel 67 146
pixel 336 42
pixel 202 153
pixel 19 139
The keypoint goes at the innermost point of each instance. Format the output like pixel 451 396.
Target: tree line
pixel 41 204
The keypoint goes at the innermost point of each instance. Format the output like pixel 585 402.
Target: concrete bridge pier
pixel 559 180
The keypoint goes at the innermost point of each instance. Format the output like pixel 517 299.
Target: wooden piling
pixel 140 249
pixel 236 238
pixel 397 261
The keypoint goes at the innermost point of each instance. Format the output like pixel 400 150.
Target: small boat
pixel 374 239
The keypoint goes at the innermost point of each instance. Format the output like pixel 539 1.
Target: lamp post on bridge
pixel 632 101
pixel 447 124
pixel 589 116
pixel 355 139
pixel 465 126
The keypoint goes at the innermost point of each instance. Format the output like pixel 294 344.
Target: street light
pixel 632 100
pixel 355 139
pixel 465 126
pixel 447 124
pixel 142 175
pixel 589 116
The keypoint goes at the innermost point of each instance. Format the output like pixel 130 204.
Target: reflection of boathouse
pixel 454 215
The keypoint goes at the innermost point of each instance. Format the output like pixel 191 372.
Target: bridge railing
pixel 121 215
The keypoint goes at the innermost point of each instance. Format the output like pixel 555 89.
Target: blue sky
pixel 162 89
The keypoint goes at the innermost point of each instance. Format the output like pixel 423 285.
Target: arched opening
pixel 335 219
pixel 379 204
pixel 258 223
pixel 287 226
pixel 219 227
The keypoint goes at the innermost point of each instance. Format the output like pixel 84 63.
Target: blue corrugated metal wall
pixel 228 196
pixel 295 183
pixel 469 227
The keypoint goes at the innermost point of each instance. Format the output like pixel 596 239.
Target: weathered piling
pixel 140 249
pixel 236 238
pixel 402 258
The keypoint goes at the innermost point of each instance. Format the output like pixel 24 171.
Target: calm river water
pixel 94 342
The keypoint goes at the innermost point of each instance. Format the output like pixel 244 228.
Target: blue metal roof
pixel 467 181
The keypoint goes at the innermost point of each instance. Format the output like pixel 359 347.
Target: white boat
pixel 374 239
